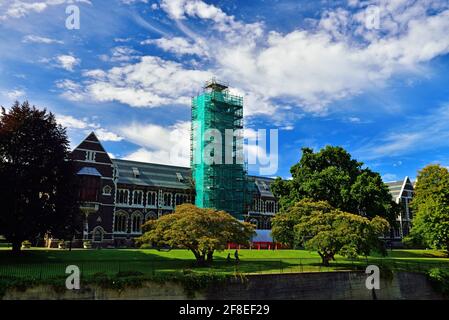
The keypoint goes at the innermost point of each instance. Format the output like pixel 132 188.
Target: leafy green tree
pixel 36 176
pixel 201 231
pixel 332 175
pixel 430 205
pixel 284 222
pixel 336 232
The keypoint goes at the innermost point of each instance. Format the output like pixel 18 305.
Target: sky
pixel 371 76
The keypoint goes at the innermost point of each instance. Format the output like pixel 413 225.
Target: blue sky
pixel 371 76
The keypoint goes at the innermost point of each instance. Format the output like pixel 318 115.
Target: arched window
pixel 167 199
pixel 136 222
pixel 137 197
pixel 151 216
pixel 121 222
pixel 107 190
pixel 180 199
pixel 122 196
pixel 151 198
pixel 254 222
pixel 97 234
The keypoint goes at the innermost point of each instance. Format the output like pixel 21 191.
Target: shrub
pixel 440 279
pixel 26 244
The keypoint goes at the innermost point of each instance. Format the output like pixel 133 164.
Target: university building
pixel 118 196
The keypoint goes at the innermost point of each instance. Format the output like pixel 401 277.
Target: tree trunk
pixel 16 245
pixel 325 258
pixel 200 259
pixel 210 256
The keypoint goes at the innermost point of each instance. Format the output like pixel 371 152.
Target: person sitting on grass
pixel 228 258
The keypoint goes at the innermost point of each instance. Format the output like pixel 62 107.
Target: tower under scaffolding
pixel 217 150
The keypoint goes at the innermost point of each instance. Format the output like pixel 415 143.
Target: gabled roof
pixel 397 188
pixel 152 174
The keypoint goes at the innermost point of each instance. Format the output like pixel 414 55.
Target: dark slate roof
pixel 396 187
pixel 89 171
pixel 263 185
pixel 152 174
pixel 166 176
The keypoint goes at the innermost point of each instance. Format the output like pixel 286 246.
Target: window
pixel 122 196
pixel 97 234
pixel 151 198
pixel 180 199
pixel 264 186
pixel 90 156
pixel 151 216
pixel 121 222
pixel 107 191
pixel 179 176
pixel 90 188
pixel 136 222
pixel 270 206
pixel 138 197
pixel 136 172
pixel 167 200
pixel 254 222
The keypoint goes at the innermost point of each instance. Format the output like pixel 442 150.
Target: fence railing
pixel 49 270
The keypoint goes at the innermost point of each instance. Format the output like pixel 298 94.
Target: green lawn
pixel 47 263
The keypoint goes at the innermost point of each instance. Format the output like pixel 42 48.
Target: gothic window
pixel 150 216
pixel 97 234
pixel 151 198
pixel 180 199
pixel 107 191
pixel 167 199
pixel 254 222
pixel 122 196
pixel 136 222
pixel 138 197
pixel 121 222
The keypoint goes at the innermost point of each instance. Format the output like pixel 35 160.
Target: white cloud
pixel 335 58
pixel 389 177
pixel 71 122
pixel 166 145
pixel 71 90
pixel 121 54
pixel 67 62
pixel 152 82
pixel 179 46
pixel 39 39
pixel 21 8
pixel 315 67
pixel 105 135
pixel 417 134
pixel 86 126
pixel 15 94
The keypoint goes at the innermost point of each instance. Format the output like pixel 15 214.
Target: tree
pixel 202 231
pixel 284 222
pixel 430 205
pixel 332 175
pixel 337 232
pixel 36 176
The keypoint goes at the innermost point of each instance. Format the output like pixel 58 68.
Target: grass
pixel 41 263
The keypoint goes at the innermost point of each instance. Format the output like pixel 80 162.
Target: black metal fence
pixel 244 266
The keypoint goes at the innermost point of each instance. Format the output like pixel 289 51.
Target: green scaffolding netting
pixel 221 183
